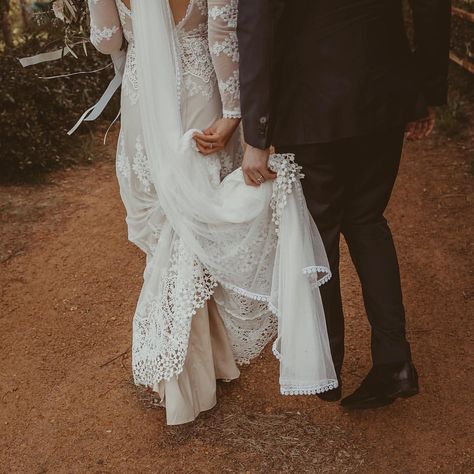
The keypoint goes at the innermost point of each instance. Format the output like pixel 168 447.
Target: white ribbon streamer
pixel 91 114
pixel 96 110
pixel 75 73
pixel 45 57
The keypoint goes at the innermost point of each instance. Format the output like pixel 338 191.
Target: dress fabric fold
pixel 209 358
pixel 229 267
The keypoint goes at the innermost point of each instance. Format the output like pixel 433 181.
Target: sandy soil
pixel 69 282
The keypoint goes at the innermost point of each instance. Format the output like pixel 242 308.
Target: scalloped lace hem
pixel 293 389
pixel 304 389
pixel 246 293
pixel 266 299
pixel 319 269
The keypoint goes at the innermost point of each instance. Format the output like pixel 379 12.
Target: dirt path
pixel 69 282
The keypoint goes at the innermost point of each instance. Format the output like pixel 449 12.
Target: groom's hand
pixel 255 166
pixel 422 128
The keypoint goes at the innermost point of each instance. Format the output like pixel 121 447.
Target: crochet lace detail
pixel 161 327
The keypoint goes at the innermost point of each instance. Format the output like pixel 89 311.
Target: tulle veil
pixel 259 244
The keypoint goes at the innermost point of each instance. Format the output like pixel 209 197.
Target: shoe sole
pixel 330 398
pixel 408 393
pixel 383 402
pixel 407 390
pixel 377 403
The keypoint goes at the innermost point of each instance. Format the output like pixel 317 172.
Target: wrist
pixel 258 149
pixel 232 119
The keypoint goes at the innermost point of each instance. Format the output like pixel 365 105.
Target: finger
pixel 431 126
pixel 258 178
pixel 203 143
pixel 249 180
pixel 201 136
pixel 253 175
pixel 267 174
pixel 208 151
pixel 214 138
pixel 210 145
pixel 409 129
pixel 205 149
pixel 416 130
pixel 425 126
pixel 261 176
pixel 213 147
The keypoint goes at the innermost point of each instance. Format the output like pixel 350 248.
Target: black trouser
pixel 347 185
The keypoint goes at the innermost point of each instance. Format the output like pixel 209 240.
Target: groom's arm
pixel 432 20
pixel 255 35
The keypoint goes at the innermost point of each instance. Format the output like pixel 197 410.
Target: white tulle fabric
pixel 256 249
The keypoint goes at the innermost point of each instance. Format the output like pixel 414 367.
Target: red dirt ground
pixel 69 282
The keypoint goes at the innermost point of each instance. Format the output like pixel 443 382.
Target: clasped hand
pixel 422 128
pixel 255 162
pixel 217 136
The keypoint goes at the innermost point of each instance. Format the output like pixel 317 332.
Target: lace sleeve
pixel 106 30
pixel 225 53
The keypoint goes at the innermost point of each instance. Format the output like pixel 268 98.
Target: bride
pixel 230 267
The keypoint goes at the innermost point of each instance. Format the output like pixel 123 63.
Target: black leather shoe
pixel 383 385
pixel 332 395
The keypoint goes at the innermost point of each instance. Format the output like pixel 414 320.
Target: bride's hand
pixel 216 137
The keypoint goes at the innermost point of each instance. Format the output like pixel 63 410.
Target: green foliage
pixel 452 118
pixel 36 113
pixel 467 5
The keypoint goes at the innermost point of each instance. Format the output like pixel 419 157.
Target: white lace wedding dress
pixel 207 302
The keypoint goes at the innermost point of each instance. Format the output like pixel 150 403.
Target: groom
pixel 336 83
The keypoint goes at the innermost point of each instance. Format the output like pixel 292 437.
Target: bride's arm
pixel 106 30
pixel 225 53
pixel 225 57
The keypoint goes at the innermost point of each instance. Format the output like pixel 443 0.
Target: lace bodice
pixel 207 43
pixel 209 50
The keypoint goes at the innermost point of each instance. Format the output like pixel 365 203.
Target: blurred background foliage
pixel 36 113
pixel 453 119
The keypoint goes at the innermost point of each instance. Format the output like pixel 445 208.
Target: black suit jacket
pixel 315 71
